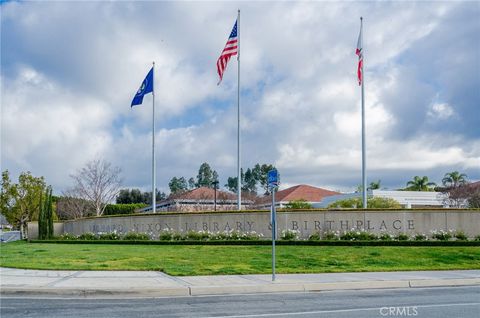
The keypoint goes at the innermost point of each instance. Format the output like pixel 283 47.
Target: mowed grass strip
pixel 184 260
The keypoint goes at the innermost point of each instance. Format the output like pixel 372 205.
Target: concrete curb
pixel 444 282
pixel 235 289
pixel 104 292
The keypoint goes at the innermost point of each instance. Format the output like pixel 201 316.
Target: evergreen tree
pixel 178 185
pixel 206 176
pixel 45 216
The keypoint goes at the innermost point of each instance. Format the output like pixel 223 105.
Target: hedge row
pixel 267 242
pixel 122 209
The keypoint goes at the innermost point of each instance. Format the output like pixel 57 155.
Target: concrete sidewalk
pixel 158 284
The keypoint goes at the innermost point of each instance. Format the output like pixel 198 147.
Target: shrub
pixel 385 237
pixel 461 236
pixel 134 236
pixel 289 235
pixel 477 238
pixel 115 209
pixel 197 236
pixel 442 235
pixel 367 236
pixel 111 236
pixel 420 237
pixel 252 236
pixel 87 236
pixel 66 237
pixel 315 237
pixel 358 235
pixel 372 203
pixel 166 235
pixel 331 236
pixel 402 237
pixel 298 204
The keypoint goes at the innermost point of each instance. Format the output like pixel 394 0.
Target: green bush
pixel 298 204
pixel 115 209
pixel 367 236
pixel 315 237
pixel 289 235
pixel 420 237
pixel 134 236
pixel 112 236
pixel 66 237
pixel 331 236
pixel 372 203
pixel 166 235
pixel 460 236
pixel 442 235
pixel 477 238
pixel 360 235
pixel 386 237
pixel 402 237
pixel 268 242
pixel 87 236
pixel 197 236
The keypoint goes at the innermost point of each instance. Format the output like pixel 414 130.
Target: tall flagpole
pixel 239 181
pixel 154 200
pixel 364 161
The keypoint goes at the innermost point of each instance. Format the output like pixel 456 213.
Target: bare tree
pixel 465 195
pixel 97 182
pixel 70 206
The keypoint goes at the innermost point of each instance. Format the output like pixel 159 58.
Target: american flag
pixel 359 52
pixel 231 48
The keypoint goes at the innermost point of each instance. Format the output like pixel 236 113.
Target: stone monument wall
pixel 306 222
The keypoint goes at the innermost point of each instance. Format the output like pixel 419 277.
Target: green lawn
pixel 214 260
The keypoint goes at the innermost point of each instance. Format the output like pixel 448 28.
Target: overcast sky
pixel 69 71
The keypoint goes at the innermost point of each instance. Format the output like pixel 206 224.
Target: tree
pixel 178 185
pixel 298 204
pixel 206 176
pixel 251 178
pixel 191 183
pixel 71 206
pixel 127 196
pixel 232 184
pixel 372 202
pixel 374 185
pixel 97 182
pixel 420 184
pixel 463 195
pixel 20 203
pixel 454 179
pixel 45 217
pixel 249 182
pixel 261 172
pixel 147 196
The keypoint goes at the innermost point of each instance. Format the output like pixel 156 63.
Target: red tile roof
pixel 305 192
pixel 299 192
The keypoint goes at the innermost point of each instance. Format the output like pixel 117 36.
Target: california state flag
pixel 359 52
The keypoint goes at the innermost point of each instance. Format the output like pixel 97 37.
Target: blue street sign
pixel 272 178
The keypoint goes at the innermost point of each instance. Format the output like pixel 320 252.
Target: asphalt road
pixel 413 302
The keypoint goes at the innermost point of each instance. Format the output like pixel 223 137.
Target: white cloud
pixel 68 77
pixel 441 111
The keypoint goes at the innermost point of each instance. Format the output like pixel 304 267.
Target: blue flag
pixel 145 88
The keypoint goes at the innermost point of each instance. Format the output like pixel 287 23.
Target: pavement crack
pixel 175 279
pixel 52 284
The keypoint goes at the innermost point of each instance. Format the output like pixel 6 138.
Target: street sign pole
pixel 274 232
pixel 272 184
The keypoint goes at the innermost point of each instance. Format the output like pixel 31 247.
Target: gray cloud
pixel 69 72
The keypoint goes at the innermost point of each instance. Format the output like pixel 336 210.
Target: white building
pixel 408 199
